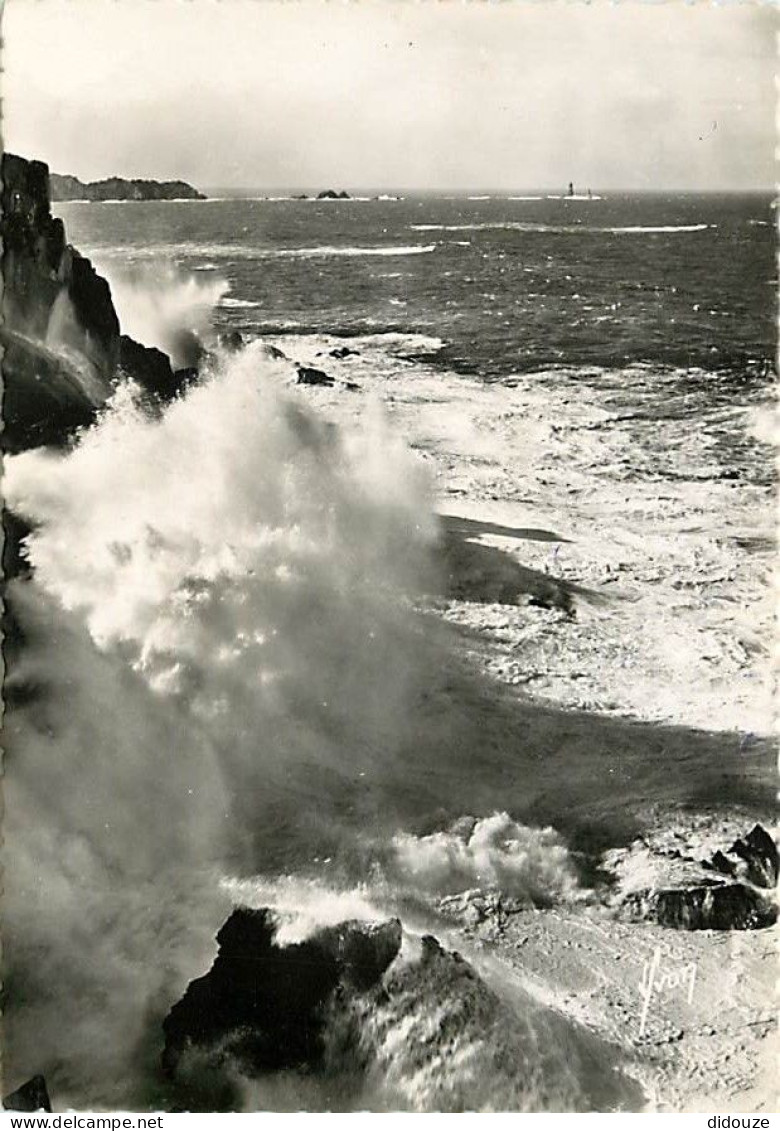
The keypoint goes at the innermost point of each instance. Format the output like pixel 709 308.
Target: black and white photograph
pixel 389 515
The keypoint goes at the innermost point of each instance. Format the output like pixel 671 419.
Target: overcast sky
pixel 393 94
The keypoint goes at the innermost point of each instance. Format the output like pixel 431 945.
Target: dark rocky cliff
pixel 62 346
pixel 50 291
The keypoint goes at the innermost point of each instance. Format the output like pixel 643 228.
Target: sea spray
pixel 528 864
pixel 224 673
pixel 162 306
pixel 114 823
pixel 218 634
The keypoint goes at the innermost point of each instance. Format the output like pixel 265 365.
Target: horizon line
pixel 557 190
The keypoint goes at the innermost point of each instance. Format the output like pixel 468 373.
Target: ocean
pixel 512 285
pixel 540 354
pixel 469 615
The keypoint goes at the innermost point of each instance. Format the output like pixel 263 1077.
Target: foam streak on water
pixel 670 522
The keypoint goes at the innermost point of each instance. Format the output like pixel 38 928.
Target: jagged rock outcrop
pixel 721 891
pixel 150 367
pixel 65 187
pixel 152 370
pixel 331 194
pixel 341 1021
pixel 47 396
pixel 754 859
pixel 32 1096
pixel 262 1005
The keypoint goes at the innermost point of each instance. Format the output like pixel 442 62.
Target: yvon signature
pixel 656 979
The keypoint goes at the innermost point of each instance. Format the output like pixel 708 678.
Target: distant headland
pixel 63 187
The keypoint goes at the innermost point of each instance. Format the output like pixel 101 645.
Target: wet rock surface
pixel 681 886
pixel 338 1008
pixel 50 290
pixel 308 375
pixel 32 1096
pixel 62 346
pixel 263 1004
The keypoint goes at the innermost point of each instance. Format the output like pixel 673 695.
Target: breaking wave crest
pixel 564 229
pixel 231 252
pixel 529 864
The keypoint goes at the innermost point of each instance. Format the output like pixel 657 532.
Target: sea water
pixel 247 674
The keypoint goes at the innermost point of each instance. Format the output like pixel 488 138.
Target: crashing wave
pixel 163 307
pixel 528 864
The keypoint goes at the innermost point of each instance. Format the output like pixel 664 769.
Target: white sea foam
pixel 239 303
pixel 527 863
pixel 243 572
pixel 567 229
pixel 226 252
pixel 304 906
pixel 668 556
pixel 639 229
pixel 335 251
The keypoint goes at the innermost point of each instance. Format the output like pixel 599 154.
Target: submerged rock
pixel 440 1038
pixel 274 352
pixel 232 341
pixel 182 378
pixel 307 375
pixel 32 1096
pixel 262 1005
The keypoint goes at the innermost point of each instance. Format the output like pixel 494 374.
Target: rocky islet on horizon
pixel 64 187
